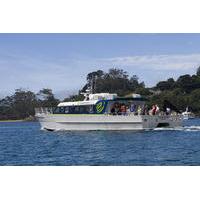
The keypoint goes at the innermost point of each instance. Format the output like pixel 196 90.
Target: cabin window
pixel 62 110
pixel 81 109
pixel 88 109
pixel 72 110
pixel 91 109
pixel 56 111
pixel 76 109
pixel 59 110
pixel 66 110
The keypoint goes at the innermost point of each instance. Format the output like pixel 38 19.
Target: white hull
pixel 187 117
pixel 106 122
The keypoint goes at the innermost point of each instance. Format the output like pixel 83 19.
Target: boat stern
pixel 161 121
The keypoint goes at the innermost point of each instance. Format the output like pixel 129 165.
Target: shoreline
pixel 18 120
pixel 28 119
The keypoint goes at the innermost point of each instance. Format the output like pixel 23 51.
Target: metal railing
pixel 44 110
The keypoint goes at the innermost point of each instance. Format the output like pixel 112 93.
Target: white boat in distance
pixel 104 111
pixel 187 114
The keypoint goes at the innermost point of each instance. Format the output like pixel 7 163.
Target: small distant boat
pixel 187 114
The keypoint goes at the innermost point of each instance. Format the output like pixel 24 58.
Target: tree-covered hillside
pixel 21 104
pixel 183 92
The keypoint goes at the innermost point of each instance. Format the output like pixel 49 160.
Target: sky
pixel 62 61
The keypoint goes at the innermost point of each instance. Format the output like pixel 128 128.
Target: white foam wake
pixel 192 128
pixel 184 128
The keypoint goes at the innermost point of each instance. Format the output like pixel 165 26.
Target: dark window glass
pixel 91 109
pixel 66 110
pixel 62 110
pixel 82 109
pixel 56 110
pixel 74 110
pixel 71 109
pixel 59 110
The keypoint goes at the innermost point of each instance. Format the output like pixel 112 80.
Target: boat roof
pixel 78 103
pixel 93 102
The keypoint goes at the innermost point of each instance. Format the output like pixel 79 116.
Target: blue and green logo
pixel 100 107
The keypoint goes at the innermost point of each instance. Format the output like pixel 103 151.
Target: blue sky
pixel 62 61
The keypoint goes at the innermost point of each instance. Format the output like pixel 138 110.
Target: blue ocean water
pixel 23 143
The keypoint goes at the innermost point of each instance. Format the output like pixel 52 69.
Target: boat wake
pixel 192 128
pixel 184 128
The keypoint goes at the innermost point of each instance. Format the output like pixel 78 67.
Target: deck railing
pixel 44 110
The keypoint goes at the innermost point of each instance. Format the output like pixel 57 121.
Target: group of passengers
pixel 123 109
pixel 119 109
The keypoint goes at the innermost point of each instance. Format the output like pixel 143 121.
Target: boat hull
pixel 106 122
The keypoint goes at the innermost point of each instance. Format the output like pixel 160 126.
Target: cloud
pixel 35 73
pixel 69 74
pixel 157 62
pixel 154 68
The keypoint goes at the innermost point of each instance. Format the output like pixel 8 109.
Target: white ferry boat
pixel 104 111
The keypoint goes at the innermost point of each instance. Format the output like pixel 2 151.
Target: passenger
pixel 145 110
pixel 168 110
pixel 153 110
pixel 162 113
pixel 139 110
pixel 150 112
pixel 173 113
pixel 133 108
pixel 117 108
pixel 128 110
pixel 123 109
pixel 157 109
pixel 113 112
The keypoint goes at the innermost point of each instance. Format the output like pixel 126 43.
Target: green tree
pixel 166 85
pixel 78 97
pixel 46 98
pixel 18 106
pixel 185 82
pixel 198 71
pixel 6 110
pixel 24 103
pixel 114 81
pixel 97 74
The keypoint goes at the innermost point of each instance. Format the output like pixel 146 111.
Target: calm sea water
pixel 23 143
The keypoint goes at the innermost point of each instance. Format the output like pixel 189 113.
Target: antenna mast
pixel 93 84
pixel 91 89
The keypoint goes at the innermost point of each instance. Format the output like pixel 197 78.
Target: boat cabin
pixel 102 103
